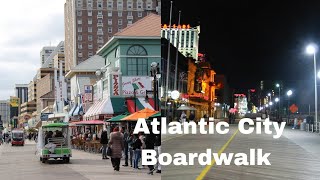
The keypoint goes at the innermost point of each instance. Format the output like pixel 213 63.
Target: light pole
pixel 289 93
pixel 278 86
pixel 168 62
pixel 312 49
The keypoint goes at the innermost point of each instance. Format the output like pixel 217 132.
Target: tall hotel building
pixel 187 38
pixel 89 24
pixel 21 91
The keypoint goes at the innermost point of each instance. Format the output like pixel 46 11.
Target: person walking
pixel 157 147
pixel 126 146
pixel 104 142
pixel 117 146
pixel 150 140
pixel 137 146
pixel 129 140
pixel 183 117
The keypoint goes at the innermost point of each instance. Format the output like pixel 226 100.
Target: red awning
pixel 91 122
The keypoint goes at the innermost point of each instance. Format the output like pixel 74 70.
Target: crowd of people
pixel 123 143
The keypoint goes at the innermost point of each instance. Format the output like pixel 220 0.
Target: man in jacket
pixel 150 140
pixel 104 141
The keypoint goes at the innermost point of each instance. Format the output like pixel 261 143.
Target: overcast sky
pixel 25 27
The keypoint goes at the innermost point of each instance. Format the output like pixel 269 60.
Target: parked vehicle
pixel 54 142
pixel 17 137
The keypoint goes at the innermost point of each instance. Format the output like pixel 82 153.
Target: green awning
pixel 55 125
pixel 117 118
pixel 158 114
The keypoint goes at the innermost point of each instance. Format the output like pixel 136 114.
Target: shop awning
pixel 158 114
pixel 140 103
pixel 145 113
pixel 109 106
pixel 118 118
pixel 57 115
pixel 91 122
pixel 72 110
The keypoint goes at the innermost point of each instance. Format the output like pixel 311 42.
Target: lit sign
pixel 116 90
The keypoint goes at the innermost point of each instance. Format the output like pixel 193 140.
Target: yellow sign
pixel 14 101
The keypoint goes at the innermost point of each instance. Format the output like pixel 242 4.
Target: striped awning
pixel 140 103
pixel 109 106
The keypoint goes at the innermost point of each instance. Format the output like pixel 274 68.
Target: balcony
pixel 100 16
pixel 100 25
pixel 130 17
pixel 100 33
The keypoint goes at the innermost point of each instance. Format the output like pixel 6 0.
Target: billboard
pixel 14 101
pixel 140 83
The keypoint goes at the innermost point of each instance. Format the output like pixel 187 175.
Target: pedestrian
pixel 183 117
pixel 130 147
pixel 137 145
pixel 192 116
pixel 104 142
pixel 150 140
pixel 126 147
pixel 117 146
pixel 157 147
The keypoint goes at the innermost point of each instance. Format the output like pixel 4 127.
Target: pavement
pixel 295 156
pixel 20 162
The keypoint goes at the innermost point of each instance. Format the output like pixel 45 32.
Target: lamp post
pixel 278 86
pixel 311 49
pixel 289 93
pixel 155 73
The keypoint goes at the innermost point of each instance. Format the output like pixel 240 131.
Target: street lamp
pixel 312 49
pixel 277 99
pixel 289 93
pixel 278 86
pixel 155 73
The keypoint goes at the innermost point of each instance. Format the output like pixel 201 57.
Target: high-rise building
pixel 185 36
pixel 45 53
pixel 89 24
pixel 21 91
pixel 5 111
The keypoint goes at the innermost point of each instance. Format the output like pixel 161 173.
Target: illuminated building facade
pixel 185 36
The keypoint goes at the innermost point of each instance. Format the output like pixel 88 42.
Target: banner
pixel 14 101
pixel 138 83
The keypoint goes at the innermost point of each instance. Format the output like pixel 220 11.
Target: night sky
pixel 249 41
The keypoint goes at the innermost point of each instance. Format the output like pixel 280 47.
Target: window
pixel 79 29
pixel 79 54
pixel 105 84
pixel 109 37
pixel 79 3
pixel 99 4
pixel 79 46
pixel 109 21
pixel 109 29
pixel 99 46
pixel 89 3
pixel 149 5
pixel 119 21
pixel 119 5
pixel 139 13
pixel 119 13
pixel 129 4
pixel 119 29
pixel 139 4
pixel 136 63
pixel 79 21
pixel 79 37
pixel 100 39
pixel 89 29
pixel 90 53
pixel 90 21
pixel 110 14
pixel 129 22
pixel 99 12
pixel 110 4
pixel 90 13
pixel 90 38
pixel 99 28
pixel 129 13
pixel 90 46
pixel 79 13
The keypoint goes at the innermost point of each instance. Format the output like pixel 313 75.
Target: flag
pixel 137 85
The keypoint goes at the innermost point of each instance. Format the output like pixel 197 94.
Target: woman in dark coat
pixel 117 146
pixel 150 141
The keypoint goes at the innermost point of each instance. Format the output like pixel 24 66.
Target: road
pixel 18 163
pixel 295 155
